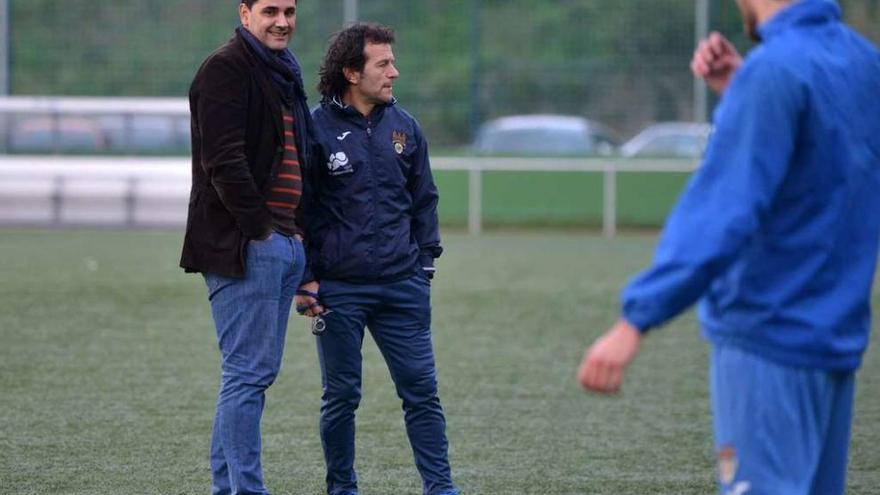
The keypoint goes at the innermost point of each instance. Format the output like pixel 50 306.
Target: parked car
pixel 56 135
pixel 669 140
pixel 150 134
pixel 85 125
pixel 545 135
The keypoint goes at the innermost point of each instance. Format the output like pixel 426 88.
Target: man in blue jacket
pixel 777 233
pixel 373 237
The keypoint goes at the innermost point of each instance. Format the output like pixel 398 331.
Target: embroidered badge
pixel 339 164
pixel 727 464
pixel 399 140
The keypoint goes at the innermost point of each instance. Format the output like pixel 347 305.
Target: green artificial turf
pixel 109 372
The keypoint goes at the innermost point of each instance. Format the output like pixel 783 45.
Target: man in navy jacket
pixel 777 233
pixel 372 240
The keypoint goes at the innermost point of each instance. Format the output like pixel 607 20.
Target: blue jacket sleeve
pixel 723 205
pixel 425 224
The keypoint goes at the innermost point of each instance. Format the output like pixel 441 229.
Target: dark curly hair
pixel 347 50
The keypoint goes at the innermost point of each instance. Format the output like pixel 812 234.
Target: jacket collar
pixel 800 13
pixel 336 104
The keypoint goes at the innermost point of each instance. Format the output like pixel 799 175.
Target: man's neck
pixel 765 9
pixel 365 108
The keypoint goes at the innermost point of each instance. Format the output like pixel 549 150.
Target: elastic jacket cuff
pixel 639 320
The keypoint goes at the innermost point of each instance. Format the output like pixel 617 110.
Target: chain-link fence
pixel 623 63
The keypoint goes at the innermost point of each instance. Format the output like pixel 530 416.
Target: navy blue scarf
pixel 283 67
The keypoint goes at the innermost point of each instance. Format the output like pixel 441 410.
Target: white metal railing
pixel 144 192
pixel 94 191
pixel 609 167
pixel 86 105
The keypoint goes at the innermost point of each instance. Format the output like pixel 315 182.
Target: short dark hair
pixel 347 50
pixel 250 3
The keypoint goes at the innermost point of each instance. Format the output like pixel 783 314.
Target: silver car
pixel 545 135
pixel 669 140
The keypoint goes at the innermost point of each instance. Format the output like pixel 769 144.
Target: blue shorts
pixel 779 430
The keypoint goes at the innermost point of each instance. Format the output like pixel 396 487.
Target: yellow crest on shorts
pixel 727 464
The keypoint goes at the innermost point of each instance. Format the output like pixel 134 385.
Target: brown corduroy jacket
pixel 237 141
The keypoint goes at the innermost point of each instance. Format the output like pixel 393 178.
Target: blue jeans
pixel 398 315
pixel 779 430
pixel 250 316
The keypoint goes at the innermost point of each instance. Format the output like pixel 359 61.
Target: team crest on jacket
pixel 339 164
pixel 398 138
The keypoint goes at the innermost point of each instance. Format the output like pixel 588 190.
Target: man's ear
pixel 244 13
pixel 351 75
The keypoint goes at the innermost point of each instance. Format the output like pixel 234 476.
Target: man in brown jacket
pixel 250 134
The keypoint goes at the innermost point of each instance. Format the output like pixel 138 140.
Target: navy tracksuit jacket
pixel 373 213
